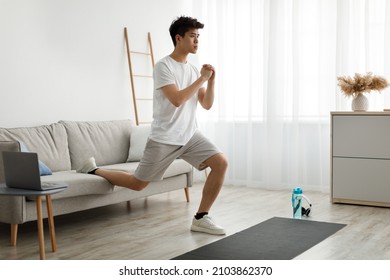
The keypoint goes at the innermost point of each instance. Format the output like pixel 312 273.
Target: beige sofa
pixel 63 146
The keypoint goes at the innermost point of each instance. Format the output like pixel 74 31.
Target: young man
pixel 178 87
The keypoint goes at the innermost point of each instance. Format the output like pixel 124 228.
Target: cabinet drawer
pixel 361 179
pixel 361 136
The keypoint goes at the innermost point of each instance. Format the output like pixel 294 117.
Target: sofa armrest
pixel 9 146
pixel 12 209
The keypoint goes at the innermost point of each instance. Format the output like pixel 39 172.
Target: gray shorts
pixel 158 156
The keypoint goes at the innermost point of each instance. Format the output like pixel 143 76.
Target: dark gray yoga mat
pixel 273 239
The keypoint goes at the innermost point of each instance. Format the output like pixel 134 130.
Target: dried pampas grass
pixel 361 83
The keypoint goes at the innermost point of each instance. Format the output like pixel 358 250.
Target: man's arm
pixel 206 96
pixel 178 97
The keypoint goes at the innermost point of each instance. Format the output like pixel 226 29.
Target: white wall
pixel 66 59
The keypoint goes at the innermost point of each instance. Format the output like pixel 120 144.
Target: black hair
pixel 183 24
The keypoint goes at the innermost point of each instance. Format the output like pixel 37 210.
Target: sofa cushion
pixel 48 141
pixel 107 141
pixel 86 184
pixel 79 184
pixel 138 138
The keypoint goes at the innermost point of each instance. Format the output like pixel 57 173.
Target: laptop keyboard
pixel 50 185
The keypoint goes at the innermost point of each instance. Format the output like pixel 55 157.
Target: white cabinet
pixel 360 158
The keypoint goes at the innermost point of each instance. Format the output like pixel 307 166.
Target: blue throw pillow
pixel 43 169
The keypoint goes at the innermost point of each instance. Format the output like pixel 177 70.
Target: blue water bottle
pixel 296 199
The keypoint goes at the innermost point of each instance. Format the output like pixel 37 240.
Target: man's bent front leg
pixel 214 181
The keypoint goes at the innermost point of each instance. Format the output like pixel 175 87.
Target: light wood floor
pixel 158 227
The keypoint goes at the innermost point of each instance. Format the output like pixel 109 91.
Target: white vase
pixel 360 103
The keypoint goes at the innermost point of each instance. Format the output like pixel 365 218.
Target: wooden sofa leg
pixel 14 234
pixel 187 192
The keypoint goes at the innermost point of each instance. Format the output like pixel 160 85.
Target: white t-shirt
pixel 173 125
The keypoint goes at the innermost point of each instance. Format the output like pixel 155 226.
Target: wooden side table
pixel 4 190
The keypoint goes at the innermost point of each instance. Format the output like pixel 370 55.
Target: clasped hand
pixel 208 72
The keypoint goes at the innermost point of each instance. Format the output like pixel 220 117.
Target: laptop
pixel 21 170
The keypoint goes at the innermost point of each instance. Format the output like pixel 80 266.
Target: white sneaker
pixel 207 225
pixel 88 166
